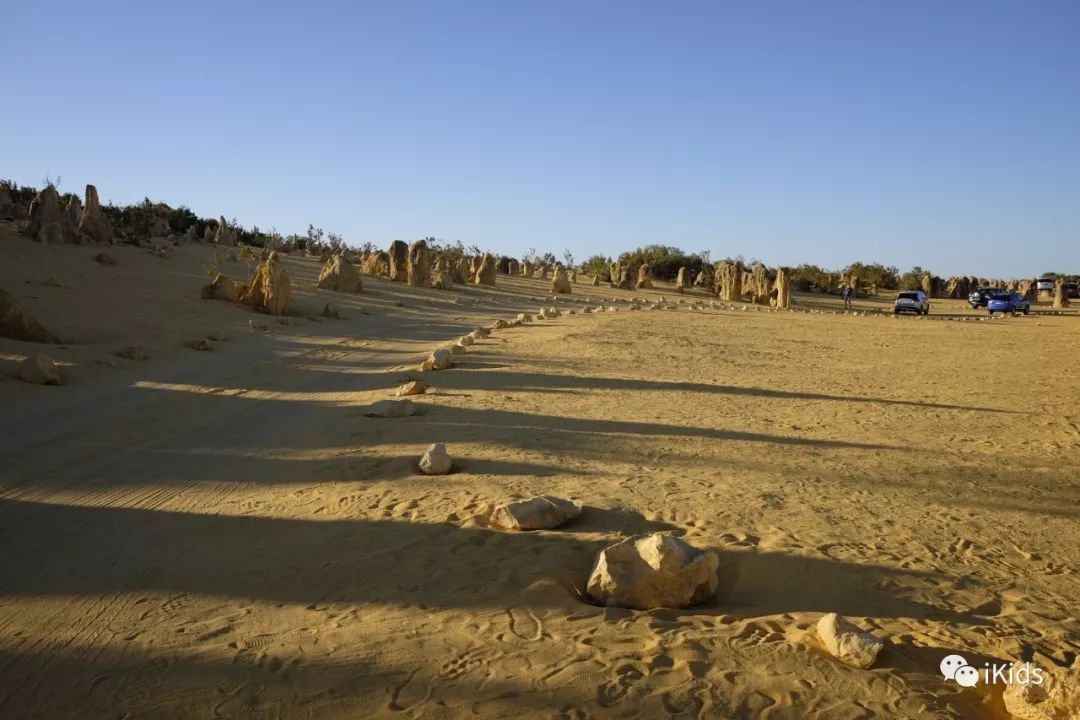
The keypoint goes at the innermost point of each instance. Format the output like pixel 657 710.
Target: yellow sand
pixel 225 534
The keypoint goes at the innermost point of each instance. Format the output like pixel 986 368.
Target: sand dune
pixel 225 534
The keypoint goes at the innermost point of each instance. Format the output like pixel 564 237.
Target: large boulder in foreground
pixel 538 513
pixel 653 571
pixel 1056 698
pixel 847 642
pixel 17 325
pixel 269 289
pixel 339 275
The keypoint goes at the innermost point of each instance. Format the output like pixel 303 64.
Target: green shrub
pixel 874 274
pixel 598 265
pixel 664 260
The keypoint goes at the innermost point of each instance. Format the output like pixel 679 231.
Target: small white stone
pixel 413 387
pixel 436 461
pixel 848 642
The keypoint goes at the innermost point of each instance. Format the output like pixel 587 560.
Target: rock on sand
pixel 38 368
pixel 653 571
pixel 391 409
pixel 539 513
pixel 17 325
pixel 847 642
pixel 413 387
pixel 436 461
pixel 439 359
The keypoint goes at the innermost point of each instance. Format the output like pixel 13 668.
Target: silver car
pixel 911 301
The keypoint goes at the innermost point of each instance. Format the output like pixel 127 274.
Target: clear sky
pixel 938 133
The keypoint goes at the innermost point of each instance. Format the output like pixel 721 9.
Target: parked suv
pixel 1008 302
pixel 979 296
pixel 1045 284
pixel 1072 291
pixel 911 301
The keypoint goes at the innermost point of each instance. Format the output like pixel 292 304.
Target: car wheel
pixel 1027 310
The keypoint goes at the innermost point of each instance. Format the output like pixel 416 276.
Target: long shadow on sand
pixel 558 383
pixel 163 683
pixel 86 551
pixel 455 424
pixel 465 378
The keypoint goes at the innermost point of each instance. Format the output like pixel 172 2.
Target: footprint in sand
pixel 627 677
pixel 524 624
pixel 258 642
pixel 466 662
pixel 407 693
pixel 759 632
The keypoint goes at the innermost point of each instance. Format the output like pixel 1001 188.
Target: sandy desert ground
pixel 225 534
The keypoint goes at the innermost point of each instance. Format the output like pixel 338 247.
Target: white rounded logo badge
pixel 967 676
pixel 951 664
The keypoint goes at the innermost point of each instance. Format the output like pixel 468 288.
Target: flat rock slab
pixel 391 409
pixel 539 513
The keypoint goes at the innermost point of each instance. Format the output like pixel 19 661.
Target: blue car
pixel 1007 302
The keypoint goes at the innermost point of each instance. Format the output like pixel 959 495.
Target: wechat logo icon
pixel 955 667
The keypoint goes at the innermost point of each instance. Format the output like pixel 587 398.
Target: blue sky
pixel 944 134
